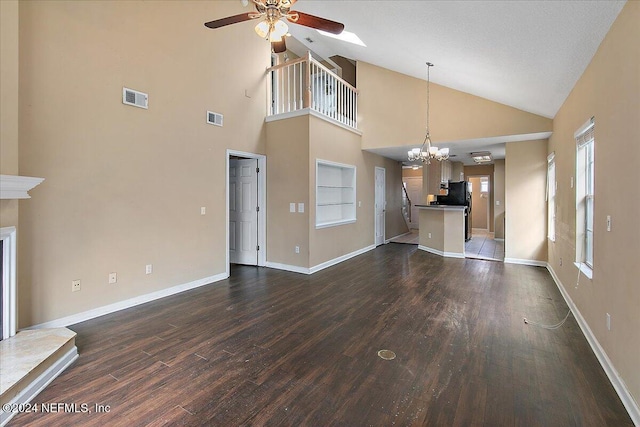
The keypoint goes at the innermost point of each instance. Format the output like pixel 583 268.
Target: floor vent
pixel 214 118
pixel 135 98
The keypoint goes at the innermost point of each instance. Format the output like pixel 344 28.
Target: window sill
pixel 585 269
pixel 334 223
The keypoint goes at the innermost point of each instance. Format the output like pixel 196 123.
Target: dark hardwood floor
pixel 267 347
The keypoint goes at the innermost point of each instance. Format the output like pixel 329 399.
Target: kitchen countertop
pixel 442 207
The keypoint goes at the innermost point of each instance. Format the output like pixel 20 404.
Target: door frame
pixel 384 208
pixel 262 202
pixel 490 220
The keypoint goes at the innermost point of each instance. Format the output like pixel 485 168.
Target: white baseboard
pixel 618 383
pixel 287 267
pixel 132 302
pixel 340 259
pixel 497 239
pixel 43 380
pixel 322 266
pixel 531 262
pixel 441 253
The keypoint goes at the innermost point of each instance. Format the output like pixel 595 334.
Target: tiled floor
pixel 410 238
pixel 482 245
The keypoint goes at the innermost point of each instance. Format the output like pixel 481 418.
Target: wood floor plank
pixel 268 347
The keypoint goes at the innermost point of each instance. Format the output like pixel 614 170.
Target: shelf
pixel 335 193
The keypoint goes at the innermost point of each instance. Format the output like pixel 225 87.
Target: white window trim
pixel 581 190
pixel 551 197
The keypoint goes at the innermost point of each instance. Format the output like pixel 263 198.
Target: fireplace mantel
pixel 17 187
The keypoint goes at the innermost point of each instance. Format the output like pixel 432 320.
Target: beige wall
pixel 331 142
pixel 457 171
pixel 525 204
pixel 9 104
pixel 123 185
pixel 498 198
pixel 288 177
pixel 483 170
pixel 401 119
pixel 609 91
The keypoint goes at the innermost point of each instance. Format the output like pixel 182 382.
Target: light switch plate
pixel 301 207
pixel 292 207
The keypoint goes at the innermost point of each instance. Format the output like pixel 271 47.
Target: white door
pixel 243 211
pixel 380 205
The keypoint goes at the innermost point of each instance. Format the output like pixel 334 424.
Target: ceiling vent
pixel 214 118
pixel 135 98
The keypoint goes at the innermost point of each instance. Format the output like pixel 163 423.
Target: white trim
pixel 531 262
pixel 262 201
pixel 311 112
pixel 441 253
pixel 585 127
pixel 17 187
pixel 375 214
pixel 334 223
pixel 9 306
pixel 43 380
pixel 321 266
pixel 287 267
pixel 132 302
pixel 618 383
pixel 584 269
pixel 340 259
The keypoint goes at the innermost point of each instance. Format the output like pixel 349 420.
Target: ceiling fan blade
pixel 315 22
pixel 230 20
pixel 279 46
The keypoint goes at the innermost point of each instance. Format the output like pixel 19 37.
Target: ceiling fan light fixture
pixel 262 29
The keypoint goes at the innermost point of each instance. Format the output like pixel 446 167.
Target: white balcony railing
pixel 306 83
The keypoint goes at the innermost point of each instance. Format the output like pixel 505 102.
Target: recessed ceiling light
pixel 483 157
pixel 345 36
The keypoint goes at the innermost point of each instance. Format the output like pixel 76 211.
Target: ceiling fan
pixel 272 27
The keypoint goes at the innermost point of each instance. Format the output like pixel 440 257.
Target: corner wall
pixel 525 204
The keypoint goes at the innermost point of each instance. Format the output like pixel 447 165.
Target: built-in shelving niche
pixel 335 194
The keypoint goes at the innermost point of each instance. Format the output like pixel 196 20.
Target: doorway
pixel 480 203
pixel 246 202
pixel 380 205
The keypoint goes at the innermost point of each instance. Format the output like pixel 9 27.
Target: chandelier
pixel 427 151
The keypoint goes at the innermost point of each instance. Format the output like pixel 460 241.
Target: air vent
pixel 135 98
pixel 214 118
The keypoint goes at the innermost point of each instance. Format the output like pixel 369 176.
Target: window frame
pixel 585 196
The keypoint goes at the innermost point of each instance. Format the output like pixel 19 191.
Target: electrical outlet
pixel 113 278
pixel 203 210
pixel 608 322
pixel 75 286
pixel 148 269
pixel 297 249
pixel 608 222
pixel 429 235
pixel 560 261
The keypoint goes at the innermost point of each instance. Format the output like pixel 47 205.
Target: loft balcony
pixel 305 86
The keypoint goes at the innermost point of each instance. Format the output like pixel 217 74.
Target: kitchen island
pixel 442 230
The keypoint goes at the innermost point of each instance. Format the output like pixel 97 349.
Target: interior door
pixel 380 205
pixel 243 211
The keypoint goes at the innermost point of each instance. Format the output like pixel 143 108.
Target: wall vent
pixel 135 98
pixel 214 118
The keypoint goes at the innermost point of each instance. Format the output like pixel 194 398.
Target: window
pixel 484 184
pixel 551 197
pixel 585 141
pixel 335 194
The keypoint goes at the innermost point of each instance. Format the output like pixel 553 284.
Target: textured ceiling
pixel 526 54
